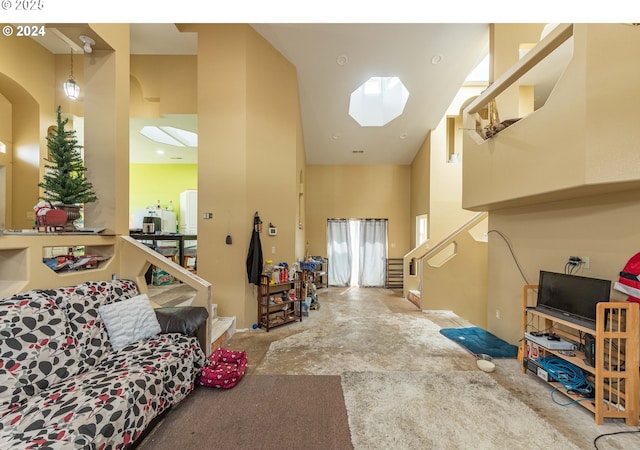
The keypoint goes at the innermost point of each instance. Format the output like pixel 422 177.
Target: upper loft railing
pixel 483 107
pixel 579 142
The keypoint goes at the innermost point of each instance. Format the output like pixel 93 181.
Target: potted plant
pixel 65 184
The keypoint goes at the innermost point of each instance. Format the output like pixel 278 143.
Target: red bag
pixel 224 369
pixel 629 281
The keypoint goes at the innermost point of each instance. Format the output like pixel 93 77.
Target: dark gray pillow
pixel 181 319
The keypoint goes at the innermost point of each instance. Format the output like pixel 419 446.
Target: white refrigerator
pixel 189 212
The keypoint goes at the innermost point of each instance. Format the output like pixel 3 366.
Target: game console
pixel 551 344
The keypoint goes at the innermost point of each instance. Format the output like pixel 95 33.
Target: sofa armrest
pixel 182 319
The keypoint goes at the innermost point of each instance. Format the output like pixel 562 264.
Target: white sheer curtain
pixel 373 252
pixel 339 252
pixel 357 252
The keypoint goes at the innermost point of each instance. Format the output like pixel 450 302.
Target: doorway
pixel 357 252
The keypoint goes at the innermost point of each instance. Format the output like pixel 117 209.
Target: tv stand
pixel 615 374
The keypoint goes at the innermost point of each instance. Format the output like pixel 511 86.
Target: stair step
pixel 222 328
pixel 414 297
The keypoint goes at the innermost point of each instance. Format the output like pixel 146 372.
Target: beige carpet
pixel 454 410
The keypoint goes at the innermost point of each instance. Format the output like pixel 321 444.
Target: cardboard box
pixel 160 277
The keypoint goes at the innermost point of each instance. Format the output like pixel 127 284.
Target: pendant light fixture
pixel 71 89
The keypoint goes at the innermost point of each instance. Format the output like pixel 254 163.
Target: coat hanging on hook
pixel 254 257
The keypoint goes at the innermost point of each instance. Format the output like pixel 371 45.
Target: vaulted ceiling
pixel 432 60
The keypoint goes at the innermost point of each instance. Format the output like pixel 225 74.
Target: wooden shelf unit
pixel 616 372
pixel 271 315
pixel 321 275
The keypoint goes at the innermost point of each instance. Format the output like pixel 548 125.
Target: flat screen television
pixel 572 297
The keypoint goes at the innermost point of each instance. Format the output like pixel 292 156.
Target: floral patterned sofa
pixel 63 386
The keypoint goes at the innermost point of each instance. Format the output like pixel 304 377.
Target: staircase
pixel 413 295
pixel 222 328
pixel 394 273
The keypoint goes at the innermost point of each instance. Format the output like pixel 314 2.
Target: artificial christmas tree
pixel 64 182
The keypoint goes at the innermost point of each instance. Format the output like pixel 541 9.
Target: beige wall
pixel 544 236
pixel 106 129
pixel 164 84
pixel 355 192
pixel 6 158
pixel 445 205
pixel 420 186
pixel 249 159
pixel 27 74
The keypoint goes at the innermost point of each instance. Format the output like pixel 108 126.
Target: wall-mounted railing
pixel 454 272
pixel 135 260
pixel 414 260
pixel 447 270
pixel 22 267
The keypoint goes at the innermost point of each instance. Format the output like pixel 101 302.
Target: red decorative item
pixel 629 281
pixel 56 219
pixel 224 369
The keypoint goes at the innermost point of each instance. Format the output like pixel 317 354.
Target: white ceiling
pixel 330 135
pixel 402 50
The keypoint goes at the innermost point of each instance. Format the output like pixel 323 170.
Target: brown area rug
pixel 261 412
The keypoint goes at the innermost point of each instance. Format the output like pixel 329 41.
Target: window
pixel 421 229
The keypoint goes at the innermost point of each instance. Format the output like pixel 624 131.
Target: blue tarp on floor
pixel 478 341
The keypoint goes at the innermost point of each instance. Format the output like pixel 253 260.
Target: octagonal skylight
pixel 378 101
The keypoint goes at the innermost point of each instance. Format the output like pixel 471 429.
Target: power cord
pixel 515 259
pixel 595 441
pixel 572 266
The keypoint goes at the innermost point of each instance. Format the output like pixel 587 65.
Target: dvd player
pixel 549 344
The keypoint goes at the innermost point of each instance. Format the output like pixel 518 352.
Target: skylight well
pixel 170 136
pixel 378 101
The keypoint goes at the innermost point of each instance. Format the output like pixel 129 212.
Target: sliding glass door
pixel 357 252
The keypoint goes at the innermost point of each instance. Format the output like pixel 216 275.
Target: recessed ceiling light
pixel 342 60
pixel 160 152
pixel 403 136
pixel 336 136
pixel 437 59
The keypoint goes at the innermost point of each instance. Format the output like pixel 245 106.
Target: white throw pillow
pixel 129 321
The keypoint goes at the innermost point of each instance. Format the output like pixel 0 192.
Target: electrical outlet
pixel 497 313
pixel 579 261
